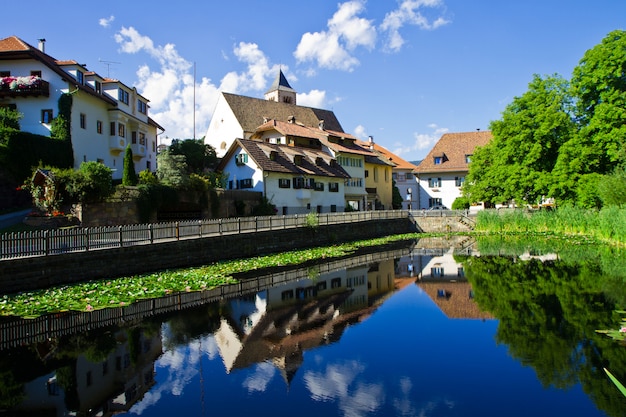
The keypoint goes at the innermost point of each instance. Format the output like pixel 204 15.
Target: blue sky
pixel 403 71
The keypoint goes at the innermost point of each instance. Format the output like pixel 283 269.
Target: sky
pixel 404 72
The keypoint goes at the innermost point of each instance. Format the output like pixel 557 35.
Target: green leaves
pixel 618 384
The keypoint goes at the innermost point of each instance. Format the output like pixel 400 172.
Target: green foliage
pixel 396 197
pixel 61 127
pixel 461 203
pixel 612 188
pixel 615 381
pixel 10 119
pixel 93 183
pixel 240 208
pixel 199 157
pixel 556 138
pixel 152 197
pixel 312 221
pixel 517 163
pixel 22 152
pixel 129 176
pixel 147 177
pixel 264 208
pixel 172 169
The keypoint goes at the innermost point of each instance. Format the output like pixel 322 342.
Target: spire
pixel 280 90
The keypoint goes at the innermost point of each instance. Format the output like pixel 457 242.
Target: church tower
pixel 281 91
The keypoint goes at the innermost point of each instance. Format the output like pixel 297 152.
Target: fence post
pixel 199 228
pixel 151 233
pixel 177 230
pixel 46 243
pixel 86 230
pixel 284 221
pixel 119 231
pixel 256 224
pixel 220 226
pixel 239 224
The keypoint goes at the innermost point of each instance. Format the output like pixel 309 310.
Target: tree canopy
pixel 199 157
pixel 559 139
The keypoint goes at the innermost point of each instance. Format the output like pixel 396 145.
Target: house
pixel 297 180
pixel 402 172
pixel 442 173
pixel 106 114
pixel 312 133
pixel 238 116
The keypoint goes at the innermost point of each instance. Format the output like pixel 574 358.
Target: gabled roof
pixel 453 149
pixel 13 48
pixel 313 162
pixel 280 83
pixel 251 112
pixel 389 157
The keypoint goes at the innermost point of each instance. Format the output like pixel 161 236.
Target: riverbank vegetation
pixel 118 292
pixel 607 225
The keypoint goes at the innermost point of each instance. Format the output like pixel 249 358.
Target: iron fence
pixel 56 241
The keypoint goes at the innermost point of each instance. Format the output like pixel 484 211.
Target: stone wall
pixel 42 272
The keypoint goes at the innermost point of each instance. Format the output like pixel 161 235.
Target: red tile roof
pixel 453 149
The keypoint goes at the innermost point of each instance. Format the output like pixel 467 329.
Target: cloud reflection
pixel 260 378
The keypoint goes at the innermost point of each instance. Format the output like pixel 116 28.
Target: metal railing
pixel 56 241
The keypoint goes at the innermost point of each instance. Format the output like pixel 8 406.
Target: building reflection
pixel 280 323
pixel 91 387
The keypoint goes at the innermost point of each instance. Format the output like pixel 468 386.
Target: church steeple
pixel 281 91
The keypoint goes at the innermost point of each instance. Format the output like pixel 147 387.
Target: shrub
pixel 147 177
pixel 9 118
pixel 461 203
pixel 129 176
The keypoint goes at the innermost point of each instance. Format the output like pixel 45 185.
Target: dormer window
pixel 468 158
pixel 142 107
pixel 297 159
pixel 273 155
pixel 438 160
pixel 79 77
pixel 122 95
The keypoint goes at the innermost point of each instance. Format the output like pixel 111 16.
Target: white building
pixel 106 115
pixel 442 173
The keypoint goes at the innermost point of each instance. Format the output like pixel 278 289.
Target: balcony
pixel 139 150
pixel 116 144
pixel 29 86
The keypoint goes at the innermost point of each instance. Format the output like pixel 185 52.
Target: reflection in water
pixel 344 340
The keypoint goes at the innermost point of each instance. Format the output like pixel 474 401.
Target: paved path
pixel 10 219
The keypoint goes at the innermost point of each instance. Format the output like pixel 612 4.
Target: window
pixel 286 295
pixel 434 182
pixel 142 107
pixel 98 87
pixel 318 186
pixel 241 159
pixel 284 183
pixel 5 73
pixel 121 130
pixel 142 138
pixel 468 158
pixel 458 181
pixel 122 95
pixel 112 129
pixel 79 77
pixel 46 116
pixel 333 187
pixel 245 183
pixel 83 121
pixel 375 174
pixel 436 272
pixel 434 202
pixel 438 160
pixel 133 137
pixel 297 159
pixel 367 173
pixel 35 74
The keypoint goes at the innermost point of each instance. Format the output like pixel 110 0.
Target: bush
pixel 461 203
pixel 147 177
pixel 9 118
pixel 129 176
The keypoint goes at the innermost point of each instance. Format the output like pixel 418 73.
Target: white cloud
pixel 360 132
pixel 408 13
pixel 171 87
pixel 422 143
pixel 332 49
pixel 105 22
pixel 314 98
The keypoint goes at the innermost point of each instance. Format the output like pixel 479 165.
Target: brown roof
pixel 453 148
pixel 13 48
pixel 391 158
pixel 454 300
pixel 314 162
pixel 251 112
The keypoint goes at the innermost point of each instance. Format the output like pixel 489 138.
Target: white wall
pixel 223 128
pixel 448 191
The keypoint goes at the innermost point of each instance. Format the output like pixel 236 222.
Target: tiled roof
pixel 388 156
pixel 251 112
pixel 314 162
pixel 453 148
pixel 14 48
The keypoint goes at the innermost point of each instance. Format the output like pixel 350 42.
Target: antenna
pixel 108 64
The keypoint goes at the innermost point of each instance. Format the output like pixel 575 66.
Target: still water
pixel 413 331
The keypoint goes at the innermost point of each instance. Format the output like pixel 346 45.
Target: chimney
pixel 320 124
pixel 42 45
pixel 291 119
pixel 371 141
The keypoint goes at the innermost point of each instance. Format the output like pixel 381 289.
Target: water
pixel 456 336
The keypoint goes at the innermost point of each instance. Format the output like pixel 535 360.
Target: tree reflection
pixel 549 312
